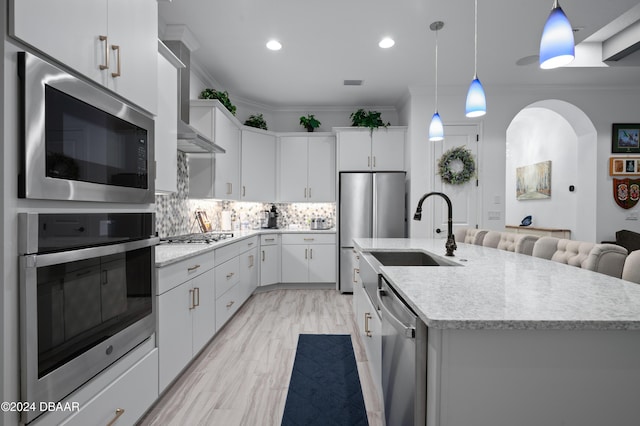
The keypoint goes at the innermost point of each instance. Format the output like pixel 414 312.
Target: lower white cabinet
pixel 308 258
pixel 369 327
pixel 186 313
pixel 269 259
pixel 125 400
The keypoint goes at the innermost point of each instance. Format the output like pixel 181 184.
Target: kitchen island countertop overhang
pixel 497 289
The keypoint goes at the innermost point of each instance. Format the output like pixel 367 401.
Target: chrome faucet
pixel 450 245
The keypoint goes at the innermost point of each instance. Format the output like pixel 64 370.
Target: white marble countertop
pixel 496 289
pixel 167 254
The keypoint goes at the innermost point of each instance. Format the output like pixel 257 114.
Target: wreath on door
pixel 457 166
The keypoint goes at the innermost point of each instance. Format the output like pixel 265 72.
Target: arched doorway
pixel 556 131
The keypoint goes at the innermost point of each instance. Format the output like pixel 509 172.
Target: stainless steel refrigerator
pixel 371 205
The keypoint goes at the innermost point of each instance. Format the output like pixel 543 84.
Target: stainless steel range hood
pixel 189 139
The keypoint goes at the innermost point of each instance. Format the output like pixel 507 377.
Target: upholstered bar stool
pixel 470 235
pixel 631 268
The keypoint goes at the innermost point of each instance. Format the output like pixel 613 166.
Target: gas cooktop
pixel 197 238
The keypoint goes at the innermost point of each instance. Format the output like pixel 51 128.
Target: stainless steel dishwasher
pixel 404 360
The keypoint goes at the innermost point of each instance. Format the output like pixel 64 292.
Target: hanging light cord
pixel 475 56
pixel 437 70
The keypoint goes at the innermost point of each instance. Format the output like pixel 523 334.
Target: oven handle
pixel 405 330
pixel 48 259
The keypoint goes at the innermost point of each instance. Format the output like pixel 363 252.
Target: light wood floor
pixel 242 376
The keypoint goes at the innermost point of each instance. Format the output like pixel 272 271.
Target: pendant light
pixel 436 128
pixel 557 46
pixel 476 101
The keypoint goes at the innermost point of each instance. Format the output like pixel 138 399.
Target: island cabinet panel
pixel 258 166
pixel 307 169
pixel 362 150
pixel 112 42
pixel 533 377
pixel 186 313
pixel 308 258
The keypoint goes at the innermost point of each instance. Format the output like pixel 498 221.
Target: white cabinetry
pixel 166 121
pixel 362 150
pixel 186 313
pixel 258 166
pixel 236 277
pixel 307 168
pixel 215 176
pixel 308 258
pixel 269 259
pixel 369 327
pixel 113 42
pixel 124 400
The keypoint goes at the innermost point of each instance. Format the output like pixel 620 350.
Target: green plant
pixel 223 97
pixel 309 122
pixel 370 119
pixel 256 120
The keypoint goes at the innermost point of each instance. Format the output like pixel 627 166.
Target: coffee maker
pixel 273 217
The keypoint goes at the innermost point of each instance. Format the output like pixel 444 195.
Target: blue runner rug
pixel 325 386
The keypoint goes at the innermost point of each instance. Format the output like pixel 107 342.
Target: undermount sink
pixel 409 258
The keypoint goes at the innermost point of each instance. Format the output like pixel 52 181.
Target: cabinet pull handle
pixel 119 412
pixel 355 271
pixel 229 275
pixel 367 317
pixel 374 161
pixel 309 239
pixel 251 260
pixel 269 239
pixel 117 49
pixel 310 253
pixel 244 192
pixel 368 161
pixel 263 255
pixel 192 302
pixel 105 277
pixel 306 251
pixel 305 192
pixel 309 192
pixel 250 244
pixel 230 304
pixel 106 53
pixel 197 293
pixel 193 268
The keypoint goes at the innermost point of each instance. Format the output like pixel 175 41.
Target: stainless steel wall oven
pixel 80 142
pixel 86 297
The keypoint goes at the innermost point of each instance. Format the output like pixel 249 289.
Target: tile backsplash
pixel 175 213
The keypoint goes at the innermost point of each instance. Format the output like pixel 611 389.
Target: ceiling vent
pixel 353 82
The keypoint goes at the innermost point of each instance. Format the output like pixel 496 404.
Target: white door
pixel 322 171
pixel 293 169
pixel 258 167
pixel 464 197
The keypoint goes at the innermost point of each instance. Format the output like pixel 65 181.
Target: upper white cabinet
pixel 213 120
pixel 113 42
pixel 258 166
pixel 307 169
pixel 166 122
pixel 362 150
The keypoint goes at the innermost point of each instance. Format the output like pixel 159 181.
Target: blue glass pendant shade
pixel 557 46
pixel 436 128
pixel 476 100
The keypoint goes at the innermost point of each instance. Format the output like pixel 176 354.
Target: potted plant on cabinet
pixel 370 119
pixel 256 120
pixel 223 97
pixel 309 122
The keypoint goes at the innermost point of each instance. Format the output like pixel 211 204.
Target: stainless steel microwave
pixel 79 142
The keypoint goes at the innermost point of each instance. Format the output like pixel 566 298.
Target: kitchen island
pixel 518 340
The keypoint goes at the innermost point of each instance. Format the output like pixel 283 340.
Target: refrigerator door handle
pixel 374 218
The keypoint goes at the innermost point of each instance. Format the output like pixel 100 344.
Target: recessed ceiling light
pixel 386 43
pixel 274 45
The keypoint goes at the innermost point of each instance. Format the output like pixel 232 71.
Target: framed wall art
pixel 625 138
pixel 624 166
pixel 533 181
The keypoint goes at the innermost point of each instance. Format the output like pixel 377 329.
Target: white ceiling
pixel 327 42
